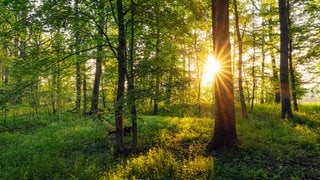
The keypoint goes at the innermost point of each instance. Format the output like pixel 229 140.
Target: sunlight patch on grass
pixel 159 163
pixel 306 137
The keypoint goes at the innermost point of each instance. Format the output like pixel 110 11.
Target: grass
pixel 72 147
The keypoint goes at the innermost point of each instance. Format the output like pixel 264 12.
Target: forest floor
pixel 73 147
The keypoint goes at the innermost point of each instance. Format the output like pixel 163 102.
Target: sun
pixel 211 67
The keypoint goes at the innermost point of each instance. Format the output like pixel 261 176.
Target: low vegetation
pixel 71 147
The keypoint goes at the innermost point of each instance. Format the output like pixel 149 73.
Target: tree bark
pixel 275 76
pixel 98 69
pixel 120 147
pixel 224 134
pixel 78 64
pixel 97 78
pixel 291 69
pixel 284 74
pixel 244 112
pixel 131 86
pixel 253 60
pixel 157 86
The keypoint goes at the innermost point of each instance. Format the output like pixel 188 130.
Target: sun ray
pixel 211 68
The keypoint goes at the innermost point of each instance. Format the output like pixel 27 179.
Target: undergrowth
pixel 73 147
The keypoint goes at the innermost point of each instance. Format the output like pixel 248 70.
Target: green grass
pixel 72 147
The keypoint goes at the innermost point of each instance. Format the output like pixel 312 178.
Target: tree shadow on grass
pixel 263 164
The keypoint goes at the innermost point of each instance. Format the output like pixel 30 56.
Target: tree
pixel 96 86
pixel 244 112
pixel 78 64
pixel 284 72
pixel 291 69
pixel 131 85
pixel 224 134
pixel 122 67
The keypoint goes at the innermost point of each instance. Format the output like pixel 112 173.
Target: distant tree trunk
pixel 97 79
pixel 275 75
pixel 244 112
pixel 131 85
pixel 78 64
pixel 293 80
pixel 291 69
pixel 253 60
pixel 157 86
pixel 121 80
pixel 262 89
pixel 224 134
pixel 199 93
pixel 98 68
pixel 84 88
pixel 284 73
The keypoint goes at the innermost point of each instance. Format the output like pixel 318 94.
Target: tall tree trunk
pixel 78 64
pixel 97 78
pixel 291 69
pixel 262 89
pixel 121 79
pixel 131 85
pixel 224 134
pixel 253 60
pixel 244 112
pixel 157 90
pixel 284 73
pixel 275 75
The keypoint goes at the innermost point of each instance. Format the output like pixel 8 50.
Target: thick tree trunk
pixel 224 134
pixel 121 80
pixel 244 112
pixel 284 73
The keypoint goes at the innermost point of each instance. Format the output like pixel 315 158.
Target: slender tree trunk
pixel 293 80
pixel 103 95
pixel 275 77
pixel 97 78
pixel 275 74
pixel 244 112
pixel 131 85
pixel 284 74
pixel 84 88
pixel 224 134
pixel 253 61
pixel 262 91
pixel 78 64
pixel 157 90
pixel 291 69
pixel 121 80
